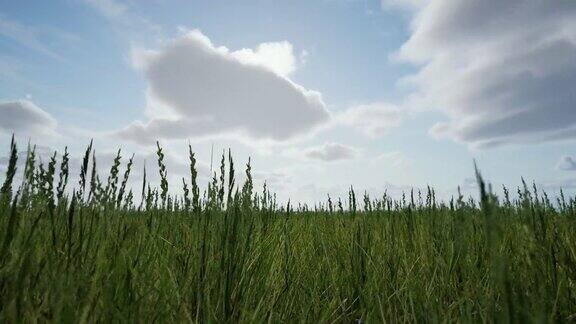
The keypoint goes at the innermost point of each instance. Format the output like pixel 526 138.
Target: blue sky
pixel 321 94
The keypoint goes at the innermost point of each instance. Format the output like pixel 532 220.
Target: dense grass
pixel 232 255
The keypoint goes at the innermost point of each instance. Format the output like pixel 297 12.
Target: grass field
pixel 96 252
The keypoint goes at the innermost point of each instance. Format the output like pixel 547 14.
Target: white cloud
pixel 25 118
pixel 502 71
pixel 329 152
pixel 197 89
pixel 566 163
pixel 373 120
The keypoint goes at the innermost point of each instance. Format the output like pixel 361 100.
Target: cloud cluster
pixel 196 89
pixel 503 71
pixel 24 117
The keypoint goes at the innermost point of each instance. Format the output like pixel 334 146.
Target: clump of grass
pixel 163 175
pixel 84 171
pixel 6 190
pixel 63 176
pixel 194 181
pixel 124 182
pixel 109 194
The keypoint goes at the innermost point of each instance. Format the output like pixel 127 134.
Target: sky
pixel 320 94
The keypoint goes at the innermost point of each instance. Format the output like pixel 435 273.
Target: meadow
pixel 98 251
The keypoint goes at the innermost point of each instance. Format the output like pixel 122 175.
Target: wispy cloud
pixel 124 17
pixel 109 8
pixel 27 36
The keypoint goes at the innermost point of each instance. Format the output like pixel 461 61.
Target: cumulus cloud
pixel 197 89
pixel 24 117
pixel 331 152
pixel 502 71
pixel 566 163
pixel 373 120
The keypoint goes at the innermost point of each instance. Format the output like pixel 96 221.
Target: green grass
pixel 236 256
